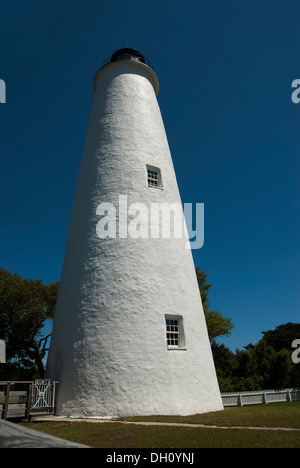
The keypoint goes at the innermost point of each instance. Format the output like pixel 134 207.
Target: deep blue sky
pixel 225 70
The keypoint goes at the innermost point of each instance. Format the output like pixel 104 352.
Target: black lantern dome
pixel 127 54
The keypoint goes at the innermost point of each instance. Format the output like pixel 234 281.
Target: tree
pixel 280 374
pixel 25 304
pixel 225 363
pixel 217 325
pixel 282 336
pixel 265 365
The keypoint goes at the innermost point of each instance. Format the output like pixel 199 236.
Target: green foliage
pixel 25 304
pixel 282 336
pixel 260 366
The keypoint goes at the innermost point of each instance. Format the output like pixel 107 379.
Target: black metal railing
pixel 146 61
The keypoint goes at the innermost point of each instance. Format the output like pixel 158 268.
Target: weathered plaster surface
pixel 108 347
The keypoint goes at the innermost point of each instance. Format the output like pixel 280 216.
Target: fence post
pixel 265 398
pixel 5 409
pixel 53 397
pixel 28 403
pixel 240 400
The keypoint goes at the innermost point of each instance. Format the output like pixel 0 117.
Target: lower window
pixel 174 332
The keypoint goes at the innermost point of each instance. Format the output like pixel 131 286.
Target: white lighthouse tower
pixel 129 335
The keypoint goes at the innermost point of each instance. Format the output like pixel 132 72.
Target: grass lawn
pixel 119 435
pixel 285 415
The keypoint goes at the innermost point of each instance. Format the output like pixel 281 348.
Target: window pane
pixel 173 334
pixel 154 178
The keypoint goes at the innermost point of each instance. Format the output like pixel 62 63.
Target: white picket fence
pixel 260 397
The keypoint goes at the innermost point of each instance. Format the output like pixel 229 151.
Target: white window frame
pixel 174 332
pixel 154 179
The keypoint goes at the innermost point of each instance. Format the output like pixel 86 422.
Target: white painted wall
pixel 108 346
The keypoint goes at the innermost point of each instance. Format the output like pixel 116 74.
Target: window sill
pixel 177 348
pixel 154 187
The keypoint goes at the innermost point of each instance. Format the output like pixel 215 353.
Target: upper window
pixel 174 332
pixel 154 177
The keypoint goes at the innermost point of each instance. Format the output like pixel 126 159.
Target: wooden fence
pixel 260 397
pixel 33 397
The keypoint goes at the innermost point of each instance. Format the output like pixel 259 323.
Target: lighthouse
pixel 129 334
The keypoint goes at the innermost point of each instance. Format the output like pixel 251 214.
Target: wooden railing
pixel 260 397
pixel 35 397
pixel 11 397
